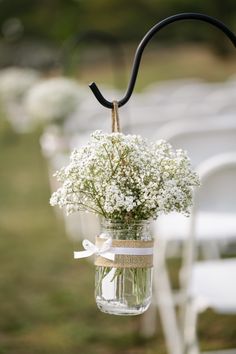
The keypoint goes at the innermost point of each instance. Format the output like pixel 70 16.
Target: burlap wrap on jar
pixel 123 260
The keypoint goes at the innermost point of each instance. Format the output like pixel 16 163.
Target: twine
pixel 126 261
pixel 115 118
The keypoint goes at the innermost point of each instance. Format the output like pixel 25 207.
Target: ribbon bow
pixel 91 248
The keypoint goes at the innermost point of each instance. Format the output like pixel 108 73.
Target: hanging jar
pixel 123 286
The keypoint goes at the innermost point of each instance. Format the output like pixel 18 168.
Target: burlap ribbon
pixel 126 260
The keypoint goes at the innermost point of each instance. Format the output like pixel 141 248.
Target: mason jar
pixel 124 286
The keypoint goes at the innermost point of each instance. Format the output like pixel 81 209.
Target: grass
pixel 46 298
pixel 159 64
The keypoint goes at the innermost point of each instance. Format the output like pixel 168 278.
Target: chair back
pixel 201 139
pixel 217 194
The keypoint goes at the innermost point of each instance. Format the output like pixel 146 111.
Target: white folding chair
pixel 210 284
pixel 176 90
pixel 201 142
pixel 163 292
pixel 177 100
pixel 202 138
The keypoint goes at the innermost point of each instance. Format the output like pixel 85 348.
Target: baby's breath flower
pixel 123 177
pixel 53 99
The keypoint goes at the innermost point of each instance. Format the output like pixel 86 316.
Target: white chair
pixel 201 143
pixel 177 100
pixel 201 138
pixel 221 184
pixel 210 284
pixel 176 90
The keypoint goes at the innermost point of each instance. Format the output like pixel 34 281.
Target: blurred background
pixel 50 50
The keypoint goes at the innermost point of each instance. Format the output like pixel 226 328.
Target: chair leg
pixel 190 328
pixel 190 253
pixel 165 303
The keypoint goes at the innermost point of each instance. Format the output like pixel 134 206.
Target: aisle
pixel 46 299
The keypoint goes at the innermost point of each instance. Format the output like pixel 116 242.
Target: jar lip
pixel 107 222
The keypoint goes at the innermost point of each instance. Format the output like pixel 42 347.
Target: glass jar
pixel 125 286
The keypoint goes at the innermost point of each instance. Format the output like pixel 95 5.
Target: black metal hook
pixel 138 55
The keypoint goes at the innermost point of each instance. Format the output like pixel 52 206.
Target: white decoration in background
pixel 14 85
pixel 15 82
pixel 53 99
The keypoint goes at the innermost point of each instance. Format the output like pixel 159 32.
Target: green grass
pixel 160 64
pixel 46 298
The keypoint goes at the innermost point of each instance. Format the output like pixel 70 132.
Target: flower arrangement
pixel 15 82
pixel 53 99
pixel 123 178
pixel 126 181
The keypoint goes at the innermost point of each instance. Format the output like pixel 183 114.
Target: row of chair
pixel 198 117
pixel 209 282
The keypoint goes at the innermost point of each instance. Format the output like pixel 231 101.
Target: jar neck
pixel 135 230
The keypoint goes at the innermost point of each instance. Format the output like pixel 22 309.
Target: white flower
pixel 15 82
pixel 53 99
pixel 123 177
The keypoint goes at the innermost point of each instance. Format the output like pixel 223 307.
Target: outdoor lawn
pixel 46 297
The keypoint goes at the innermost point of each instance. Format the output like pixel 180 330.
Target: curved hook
pixel 138 55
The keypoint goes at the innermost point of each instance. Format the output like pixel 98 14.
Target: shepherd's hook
pixel 138 55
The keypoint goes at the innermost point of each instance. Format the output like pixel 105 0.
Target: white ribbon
pixel 107 251
pixel 91 249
